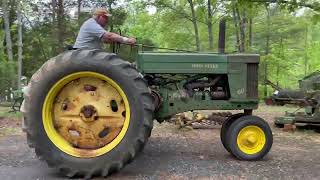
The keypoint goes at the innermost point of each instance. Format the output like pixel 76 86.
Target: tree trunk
pixel 54 29
pixel 267 50
pixel 195 24
pixel 236 23
pixel 210 33
pixel 19 18
pixel 110 11
pixel 281 55
pixel 306 53
pixel 251 33
pixel 268 31
pixel 7 29
pixel 243 24
pixel 79 12
pixel 61 25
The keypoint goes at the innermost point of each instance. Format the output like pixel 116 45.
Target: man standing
pixel 92 33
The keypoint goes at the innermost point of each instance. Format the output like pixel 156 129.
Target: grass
pixel 5 112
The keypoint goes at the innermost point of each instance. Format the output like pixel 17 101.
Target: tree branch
pixel 314 6
pixel 182 14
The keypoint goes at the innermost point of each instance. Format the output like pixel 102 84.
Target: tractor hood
pixel 192 63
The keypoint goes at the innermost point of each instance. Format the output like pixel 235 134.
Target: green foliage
pixel 7 69
pixel 293 33
pixel 7 74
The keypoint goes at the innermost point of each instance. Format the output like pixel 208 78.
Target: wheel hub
pixel 251 139
pixel 88 113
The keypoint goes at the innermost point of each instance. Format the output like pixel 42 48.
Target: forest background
pixel 286 33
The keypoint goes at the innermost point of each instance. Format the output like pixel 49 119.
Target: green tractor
pixel 89 113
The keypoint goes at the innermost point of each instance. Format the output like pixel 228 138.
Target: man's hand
pixel 132 41
pixel 113 37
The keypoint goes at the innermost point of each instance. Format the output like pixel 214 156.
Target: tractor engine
pixel 199 87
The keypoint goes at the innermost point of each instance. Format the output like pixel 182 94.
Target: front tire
pixel 112 94
pixel 225 127
pixel 249 138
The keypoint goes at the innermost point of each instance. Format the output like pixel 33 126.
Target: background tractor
pixel 308 98
pixel 280 97
pixel 89 112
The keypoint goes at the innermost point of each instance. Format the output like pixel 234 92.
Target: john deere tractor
pixel 89 113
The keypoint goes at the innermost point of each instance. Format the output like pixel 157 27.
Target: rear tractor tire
pixel 249 138
pixel 87 113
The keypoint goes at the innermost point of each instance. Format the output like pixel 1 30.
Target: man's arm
pixel 113 37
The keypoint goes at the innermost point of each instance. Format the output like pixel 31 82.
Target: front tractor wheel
pixel 225 127
pixel 249 138
pixel 88 113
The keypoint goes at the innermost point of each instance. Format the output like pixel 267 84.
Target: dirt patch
pixel 10 126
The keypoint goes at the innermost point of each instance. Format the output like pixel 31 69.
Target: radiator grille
pixel 252 80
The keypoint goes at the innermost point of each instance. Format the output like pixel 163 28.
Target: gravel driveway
pixel 183 154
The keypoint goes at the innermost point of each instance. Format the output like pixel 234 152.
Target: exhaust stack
pixel 222 36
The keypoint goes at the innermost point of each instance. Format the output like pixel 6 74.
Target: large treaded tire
pixel 110 65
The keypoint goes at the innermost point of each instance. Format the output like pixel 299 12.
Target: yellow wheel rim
pixel 251 139
pixel 86 114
